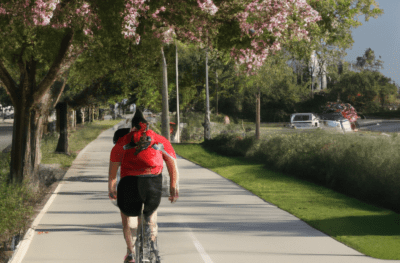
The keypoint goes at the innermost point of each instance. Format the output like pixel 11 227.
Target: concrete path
pixel 213 221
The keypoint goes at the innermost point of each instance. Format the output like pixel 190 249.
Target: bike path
pixel 214 220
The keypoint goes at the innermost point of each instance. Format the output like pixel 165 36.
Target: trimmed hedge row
pixel 363 167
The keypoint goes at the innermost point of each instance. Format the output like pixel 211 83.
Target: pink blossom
pixel 272 16
pixel 87 31
pixel 208 6
pixel 3 11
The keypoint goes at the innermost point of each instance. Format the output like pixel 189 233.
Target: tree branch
pixel 50 77
pixel 56 93
pixel 8 81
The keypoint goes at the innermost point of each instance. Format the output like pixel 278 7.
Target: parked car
pixel 9 114
pixel 335 120
pixel 304 120
pixel 324 121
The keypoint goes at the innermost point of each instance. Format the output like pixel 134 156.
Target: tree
pixel 272 73
pixel 333 33
pixel 41 39
pixel 368 61
pixel 364 90
pixel 39 42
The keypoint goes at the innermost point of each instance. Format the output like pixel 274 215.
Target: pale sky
pixel 382 35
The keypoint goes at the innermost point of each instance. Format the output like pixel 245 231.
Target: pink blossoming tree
pixel 41 39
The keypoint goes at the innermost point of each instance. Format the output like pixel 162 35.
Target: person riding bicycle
pixel 141 153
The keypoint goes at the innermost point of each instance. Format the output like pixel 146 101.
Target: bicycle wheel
pixel 139 243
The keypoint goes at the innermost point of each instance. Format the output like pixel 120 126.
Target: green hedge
pixel 364 167
pixel 230 144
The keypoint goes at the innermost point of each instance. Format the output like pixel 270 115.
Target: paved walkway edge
pixel 23 245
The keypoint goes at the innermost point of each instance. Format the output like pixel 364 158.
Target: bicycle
pixel 144 250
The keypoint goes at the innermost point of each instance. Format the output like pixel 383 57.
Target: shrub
pixel 230 144
pixel 359 166
pixel 194 130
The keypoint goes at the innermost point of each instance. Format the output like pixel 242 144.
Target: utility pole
pixel 177 133
pixel 207 130
pixel 216 74
pixel 165 108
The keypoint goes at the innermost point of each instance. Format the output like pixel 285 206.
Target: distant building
pixel 318 78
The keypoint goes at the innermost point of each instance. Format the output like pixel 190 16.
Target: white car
pixel 9 113
pixel 335 120
pixel 324 121
pixel 304 120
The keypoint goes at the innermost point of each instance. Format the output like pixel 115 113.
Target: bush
pixel 230 144
pixel 362 167
pixel 194 130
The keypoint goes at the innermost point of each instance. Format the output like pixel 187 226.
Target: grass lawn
pixel 77 140
pixel 371 230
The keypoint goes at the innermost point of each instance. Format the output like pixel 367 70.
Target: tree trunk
pixel 96 112
pixel 79 117
pixel 258 114
pixel 45 124
pixel 90 113
pixel 207 122
pixel 101 114
pixel 165 107
pixel 62 145
pixel 27 132
pixel 22 167
pixel 75 121
pixel 324 86
pixel 177 133
pixel 71 120
pixel 58 118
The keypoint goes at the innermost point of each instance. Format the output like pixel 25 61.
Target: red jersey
pixel 148 161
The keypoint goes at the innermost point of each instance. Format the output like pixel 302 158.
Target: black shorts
pixel 134 191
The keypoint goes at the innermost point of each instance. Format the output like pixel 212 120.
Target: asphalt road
pixel 381 125
pixel 6 127
pixel 371 125
pixel 5 133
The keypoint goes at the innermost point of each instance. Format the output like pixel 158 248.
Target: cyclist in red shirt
pixel 141 153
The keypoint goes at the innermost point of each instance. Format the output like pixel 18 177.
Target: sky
pixel 382 35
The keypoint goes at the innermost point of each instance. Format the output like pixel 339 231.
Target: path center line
pixel 206 258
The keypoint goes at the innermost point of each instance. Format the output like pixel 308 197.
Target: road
pixel 5 133
pixel 380 125
pixel 366 124
pixel 6 127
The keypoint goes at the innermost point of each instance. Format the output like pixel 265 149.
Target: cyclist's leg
pixel 130 205
pixel 129 232
pixel 150 189
pixel 133 225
